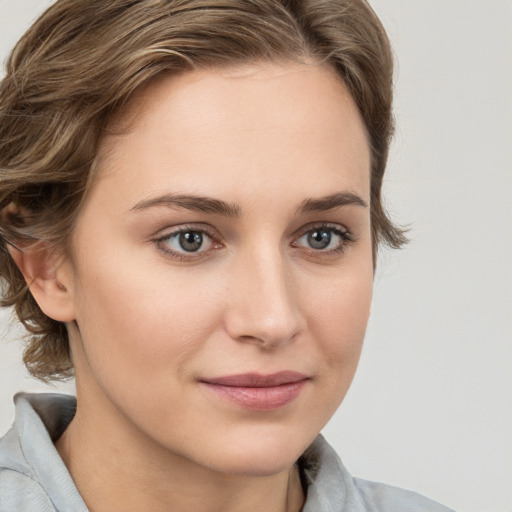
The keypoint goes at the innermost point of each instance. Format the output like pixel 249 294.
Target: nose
pixel 263 306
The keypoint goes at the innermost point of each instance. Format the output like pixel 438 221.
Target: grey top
pixel 33 477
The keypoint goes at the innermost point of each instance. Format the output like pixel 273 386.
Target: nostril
pixel 250 327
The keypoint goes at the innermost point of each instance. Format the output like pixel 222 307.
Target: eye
pixel 187 243
pixel 319 238
pixel 324 238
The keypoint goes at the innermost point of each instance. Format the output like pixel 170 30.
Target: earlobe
pixel 48 279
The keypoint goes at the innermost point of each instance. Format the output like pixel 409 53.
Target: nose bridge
pixel 264 306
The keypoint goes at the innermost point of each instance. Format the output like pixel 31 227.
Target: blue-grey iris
pixel 191 241
pixel 319 239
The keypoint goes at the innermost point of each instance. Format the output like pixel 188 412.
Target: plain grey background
pixel 431 406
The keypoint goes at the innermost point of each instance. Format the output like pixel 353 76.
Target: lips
pixel 256 391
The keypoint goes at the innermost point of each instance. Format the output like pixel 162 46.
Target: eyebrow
pixel 209 205
pixel 323 204
pixel 190 202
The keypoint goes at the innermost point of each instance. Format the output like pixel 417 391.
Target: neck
pixel 112 462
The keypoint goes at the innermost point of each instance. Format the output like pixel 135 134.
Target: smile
pixel 258 392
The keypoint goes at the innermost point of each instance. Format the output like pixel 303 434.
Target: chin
pixel 260 465
pixel 261 454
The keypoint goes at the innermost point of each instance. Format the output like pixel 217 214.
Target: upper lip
pixel 257 380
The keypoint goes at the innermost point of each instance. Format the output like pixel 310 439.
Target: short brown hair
pixel 83 60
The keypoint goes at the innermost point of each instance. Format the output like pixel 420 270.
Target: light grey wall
pixel 431 405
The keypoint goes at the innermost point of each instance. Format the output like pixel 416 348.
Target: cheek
pixel 136 318
pixel 341 307
pixel 338 319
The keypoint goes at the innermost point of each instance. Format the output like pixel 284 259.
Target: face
pixel 222 265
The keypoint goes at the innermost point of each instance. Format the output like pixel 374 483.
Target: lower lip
pixel 259 399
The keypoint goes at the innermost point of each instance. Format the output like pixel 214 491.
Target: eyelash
pixel 345 236
pixel 184 256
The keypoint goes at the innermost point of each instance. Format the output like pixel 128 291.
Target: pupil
pixel 319 239
pixel 191 241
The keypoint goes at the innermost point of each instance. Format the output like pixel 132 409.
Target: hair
pixel 83 60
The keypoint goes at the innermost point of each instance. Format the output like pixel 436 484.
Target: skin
pixel 147 326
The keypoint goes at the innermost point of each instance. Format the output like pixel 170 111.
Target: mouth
pixel 256 391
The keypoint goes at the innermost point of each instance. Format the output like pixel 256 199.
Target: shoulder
pixel 386 498
pixel 33 477
pixel 19 489
pixel 331 488
pixel 20 493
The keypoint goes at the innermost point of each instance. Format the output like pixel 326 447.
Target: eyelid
pixel 160 238
pixel 341 230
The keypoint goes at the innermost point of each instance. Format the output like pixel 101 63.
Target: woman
pixel 191 212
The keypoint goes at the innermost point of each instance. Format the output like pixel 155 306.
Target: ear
pixel 48 277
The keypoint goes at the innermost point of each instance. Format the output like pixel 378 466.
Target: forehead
pixel 261 120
